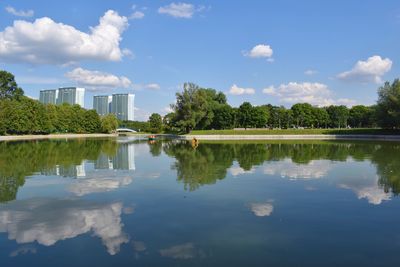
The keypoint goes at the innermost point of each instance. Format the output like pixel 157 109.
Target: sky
pixel 277 52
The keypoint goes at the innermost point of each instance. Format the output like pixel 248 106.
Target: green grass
pixel 297 131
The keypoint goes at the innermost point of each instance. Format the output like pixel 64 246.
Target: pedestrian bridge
pixel 125 130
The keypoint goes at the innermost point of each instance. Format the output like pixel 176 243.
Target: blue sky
pixel 278 52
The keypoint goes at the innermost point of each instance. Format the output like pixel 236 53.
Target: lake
pixel 125 202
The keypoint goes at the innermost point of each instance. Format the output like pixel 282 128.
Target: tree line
pixel 196 108
pixel 199 108
pixel 22 115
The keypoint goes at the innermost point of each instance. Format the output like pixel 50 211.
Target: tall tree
pixel 194 107
pixel 388 109
pixel 245 115
pixel 8 86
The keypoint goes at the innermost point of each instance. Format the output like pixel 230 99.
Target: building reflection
pixel 124 159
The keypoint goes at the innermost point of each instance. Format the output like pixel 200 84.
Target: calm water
pixel 130 203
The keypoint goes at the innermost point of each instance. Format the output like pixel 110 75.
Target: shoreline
pixel 367 137
pixel 52 136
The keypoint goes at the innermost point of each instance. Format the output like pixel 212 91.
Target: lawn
pixel 374 131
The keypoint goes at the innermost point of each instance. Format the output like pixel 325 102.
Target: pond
pixel 125 202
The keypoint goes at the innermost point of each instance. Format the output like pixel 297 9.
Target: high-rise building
pixel 48 96
pixel 71 95
pixel 102 104
pixel 122 106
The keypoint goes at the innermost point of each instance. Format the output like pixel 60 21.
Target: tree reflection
pixel 204 165
pixel 21 159
pixel 386 158
pixel 209 162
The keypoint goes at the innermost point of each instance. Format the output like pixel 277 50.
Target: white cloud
pixel 179 10
pixel 48 221
pixel 262 209
pixel 19 13
pixel 310 72
pixel 97 80
pixel 137 15
pixel 370 70
pixel 153 86
pixel 45 41
pixel 314 93
pixel 260 51
pixel 235 90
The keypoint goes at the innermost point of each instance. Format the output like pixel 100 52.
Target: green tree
pixel 388 109
pixel 224 117
pixel 245 115
pixel 156 123
pixel 192 108
pixel 109 123
pixel 320 117
pixel 259 117
pixel 361 116
pixel 303 114
pixel 338 116
pixel 8 86
pixel 91 121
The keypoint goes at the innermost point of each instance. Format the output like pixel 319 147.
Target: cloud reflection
pixel 48 221
pixel 86 186
pixel 183 251
pixel 366 187
pixel 315 169
pixel 262 209
pixel 236 170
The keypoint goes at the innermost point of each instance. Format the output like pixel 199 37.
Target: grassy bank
pixel 368 131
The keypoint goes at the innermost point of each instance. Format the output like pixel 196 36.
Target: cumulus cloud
pixel 235 90
pixel 180 10
pixel 45 41
pixel 19 13
pixel 97 80
pixel 314 93
pixel 184 252
pixel 262 209
pixel 260 51
pixel 370 70
pixel 315 169
pixel 48 221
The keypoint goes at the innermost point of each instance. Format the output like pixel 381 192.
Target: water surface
pixel 123 202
